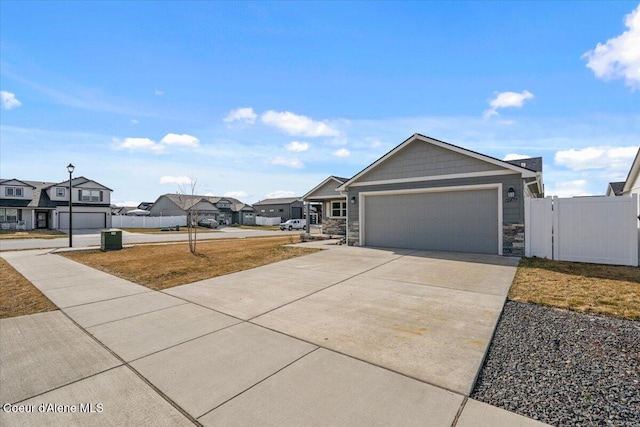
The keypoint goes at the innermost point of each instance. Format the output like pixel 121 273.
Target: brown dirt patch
pixel 18 297
pixel 165 266
pixel 592 288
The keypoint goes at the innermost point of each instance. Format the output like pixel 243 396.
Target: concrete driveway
pixel 346 336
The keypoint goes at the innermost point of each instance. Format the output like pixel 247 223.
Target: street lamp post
pixel 70 168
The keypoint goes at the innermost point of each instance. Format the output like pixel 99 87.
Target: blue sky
pixel 257 100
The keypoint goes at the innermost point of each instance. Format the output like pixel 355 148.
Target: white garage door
pixel 459 221
pixel 83 220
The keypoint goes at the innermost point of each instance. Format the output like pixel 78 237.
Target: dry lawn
pixel 164 266
pixel 30 234
pixel 592 288
pixel 18 297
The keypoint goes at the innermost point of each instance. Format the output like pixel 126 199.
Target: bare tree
pixel 189 201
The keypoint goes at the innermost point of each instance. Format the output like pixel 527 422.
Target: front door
pixel 41 219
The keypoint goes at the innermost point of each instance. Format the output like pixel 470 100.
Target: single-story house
pixel 284 207
pixel 45 205
pixel 225 210
pixel 330 205
pixel 631 185
pixel 431 195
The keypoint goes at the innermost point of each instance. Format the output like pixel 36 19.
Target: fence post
pixel 554 228
pixel 527 226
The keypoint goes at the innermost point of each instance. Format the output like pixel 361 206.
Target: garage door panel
pixel 461 221
pixel 83 220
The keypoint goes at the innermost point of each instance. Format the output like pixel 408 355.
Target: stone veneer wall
pixel 334 226
pixel 513 239
pixel 353 239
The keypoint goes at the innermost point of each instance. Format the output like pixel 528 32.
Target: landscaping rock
pixel 563 368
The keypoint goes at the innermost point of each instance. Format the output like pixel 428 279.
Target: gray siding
pixel 420 159
pixel 513 212
pixel 166 207
pixel 327 190
pixel 284 211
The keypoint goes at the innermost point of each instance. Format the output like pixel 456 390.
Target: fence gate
pixel 601 230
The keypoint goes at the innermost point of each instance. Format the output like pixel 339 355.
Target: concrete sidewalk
pixel 212 352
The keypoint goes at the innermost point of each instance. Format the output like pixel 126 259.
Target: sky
pixel 266 99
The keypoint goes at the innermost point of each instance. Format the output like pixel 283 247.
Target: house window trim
pixel 14 192
pixel 61 190
pixel 342 208
pixel 91 198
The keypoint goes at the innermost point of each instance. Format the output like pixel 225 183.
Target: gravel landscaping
pixel 563 368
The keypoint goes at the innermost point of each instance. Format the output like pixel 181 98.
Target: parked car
pixel 208 222
pixel 294 224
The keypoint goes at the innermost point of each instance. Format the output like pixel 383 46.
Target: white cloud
pixel 183 140
pixel 514 156
pixel 294 124
pixel 9 100
pixel 280 193
pixel 246 115
pixel 236 194
pixel 297 147
pixel 159 92
pixel 290 162
pixel 180 180
pixel 605 157
pixel 342 152
pixel 134 122
pixel 573 188
pixel 507 100
pixel 138 144
pixel 619 57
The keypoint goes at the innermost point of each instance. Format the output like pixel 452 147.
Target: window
pixel 8 215
pixel 339 209
pixel 280 210
pixel 261 210
pixel 270 210
pixel 90 195
pixel 60 192
pixel 13 191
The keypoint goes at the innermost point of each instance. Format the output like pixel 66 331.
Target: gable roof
pixel 533 163
pixel 8 181
pixel 187 201
pixel 616 188
pixel 278 201
pixel 76 181
pixel 526 172
pixel 337 179
pixel 633 174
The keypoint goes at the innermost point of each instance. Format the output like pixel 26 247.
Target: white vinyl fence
pixel 263 220
pixel 125 221
pixel 601 230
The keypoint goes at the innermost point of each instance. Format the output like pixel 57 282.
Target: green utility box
pixel 111 240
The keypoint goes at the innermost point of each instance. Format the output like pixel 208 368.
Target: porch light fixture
pixel 70 168
pixel 511 193
pixel 353 200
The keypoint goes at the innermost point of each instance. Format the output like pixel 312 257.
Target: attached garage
pixel 83 220
pixel 467 219
pixel 427 194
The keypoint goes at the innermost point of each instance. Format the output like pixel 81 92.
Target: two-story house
pixel 45 205
pixel 225 210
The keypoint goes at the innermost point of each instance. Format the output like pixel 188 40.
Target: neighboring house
pixel 432 195
pixel 45 205
pixel 121 210
pixel 615 188
pixel 225 210
pixel 631 185
pixel 285 207
pixel 330 205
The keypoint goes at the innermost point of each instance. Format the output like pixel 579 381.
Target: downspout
pixel 346 228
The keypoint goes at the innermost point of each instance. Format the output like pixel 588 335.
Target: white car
pixel 294 224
